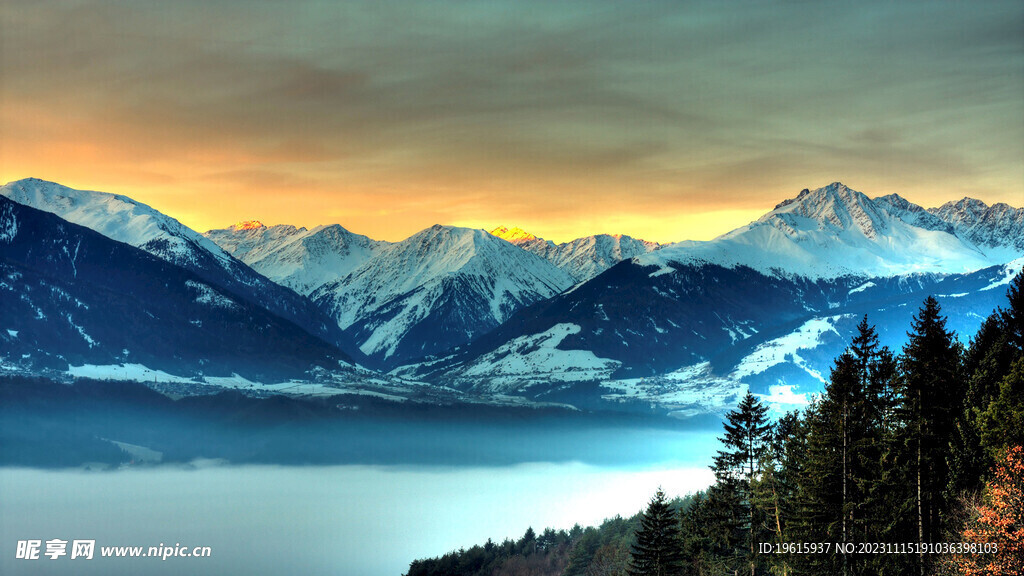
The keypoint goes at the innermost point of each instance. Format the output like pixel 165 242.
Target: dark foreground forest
pixel 909 463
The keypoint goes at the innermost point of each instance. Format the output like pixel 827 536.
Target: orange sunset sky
pixel 661 120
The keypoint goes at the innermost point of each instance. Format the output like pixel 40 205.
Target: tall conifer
pixel 932 399
pixel 746 441
pixel 657 550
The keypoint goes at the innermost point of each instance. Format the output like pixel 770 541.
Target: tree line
pixel 900 466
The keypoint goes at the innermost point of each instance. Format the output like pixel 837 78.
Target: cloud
pixel 630 105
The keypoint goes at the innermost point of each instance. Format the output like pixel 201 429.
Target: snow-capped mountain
pixel 583 258
pixel 912 214
pixel 998 230
pixel 439 288
pixel 125 220
pixel 833 232
pixel 300 259
pixel 697 338
pixel 766 306
pixel 72 297
pixel 122 219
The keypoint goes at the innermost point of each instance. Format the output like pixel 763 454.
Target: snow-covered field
pixel 537 359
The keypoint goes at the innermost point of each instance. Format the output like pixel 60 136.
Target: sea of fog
pixel 363 520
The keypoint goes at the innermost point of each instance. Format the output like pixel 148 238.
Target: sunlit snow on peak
pixel 247 225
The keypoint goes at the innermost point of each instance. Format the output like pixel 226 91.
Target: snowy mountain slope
pixel 72 296
pixel 998 230
pixel 300 259
pixel 702 332
pixel 439 288
pixel 765 306
pixel 125 220
pixel 655 323
pixel 789 365
pixel 912 214
pixel 828 233
pixel 122 219
pixel 536 359
pixel 583 258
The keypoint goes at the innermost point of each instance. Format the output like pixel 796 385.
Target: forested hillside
pixel 910 462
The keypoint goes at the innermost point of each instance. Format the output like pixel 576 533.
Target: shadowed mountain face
pixel 73 296
pixel 583 258
pixel 300 259
pixel 439 288
pixel 765 306
pixel 125 220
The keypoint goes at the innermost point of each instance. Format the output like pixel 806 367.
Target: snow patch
pixel 782 395
pixel 664 269
pixel 1010 270
pixel 207 295
pixel 528 360
pixel 862 287
pixel 130 372
pixel 8 224
pixel 687 392
pixel 785 348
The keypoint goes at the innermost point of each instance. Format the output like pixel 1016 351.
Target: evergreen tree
pixel 932 397
pixel 1013 317
pixel 846 478
pixel 774 490
pixel 746 441
pixel 657 550
pixel 1002 423
pixel 987 361
pixel 980 431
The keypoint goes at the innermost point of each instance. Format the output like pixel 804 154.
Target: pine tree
pixel 657 550
pixel 1013 317
pixel 932 397
pixel 1001 424
pixel 746 440
pixel 988 362
pixel 774 490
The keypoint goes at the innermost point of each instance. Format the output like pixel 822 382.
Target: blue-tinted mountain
pixel 767 306
pixel 71 296
pixel 126 220
pixel 439 288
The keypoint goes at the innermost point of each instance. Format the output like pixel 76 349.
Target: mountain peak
pixel 512 234
pixel 247 225
pixel 835 231
pixel 899 207
pixel 993 228
pixel 33 181
pixel 834 206
pixel 965 204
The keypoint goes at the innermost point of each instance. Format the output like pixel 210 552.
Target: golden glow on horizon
pixel 205 210
pixel 203 205
pixel 560 121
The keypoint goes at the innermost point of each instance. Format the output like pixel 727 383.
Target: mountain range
pixel 583 258
pixel 73 297
pixel 599 321
pixel 125 220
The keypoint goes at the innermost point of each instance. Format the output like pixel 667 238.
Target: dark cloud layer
pixel 684 106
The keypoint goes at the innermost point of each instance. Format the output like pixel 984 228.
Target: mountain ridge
pixel 81 298
pixel 453 283
pixel 125 220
